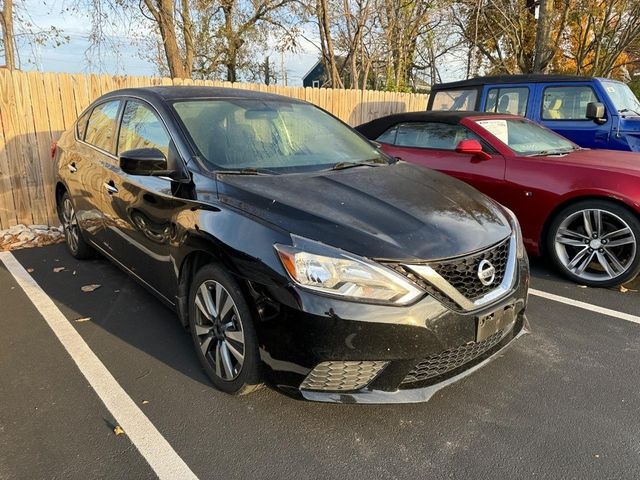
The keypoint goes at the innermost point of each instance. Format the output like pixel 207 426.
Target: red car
pixel 579 207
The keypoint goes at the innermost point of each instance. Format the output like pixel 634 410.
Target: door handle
pixel 110 187
pixel 72 167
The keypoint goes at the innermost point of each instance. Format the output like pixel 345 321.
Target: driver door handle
pixel 110 187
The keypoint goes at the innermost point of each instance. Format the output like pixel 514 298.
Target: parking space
pixel 562 402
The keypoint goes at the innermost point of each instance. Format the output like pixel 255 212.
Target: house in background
pixel 317 77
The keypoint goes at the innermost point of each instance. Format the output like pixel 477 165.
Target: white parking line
pixel 162 458
pixel 586 306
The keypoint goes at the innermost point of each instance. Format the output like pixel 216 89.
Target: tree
pixel 179 58
pixel 509 36
pixel 602 37
pixel 8 39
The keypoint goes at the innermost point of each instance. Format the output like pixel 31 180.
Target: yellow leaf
pixel 118 430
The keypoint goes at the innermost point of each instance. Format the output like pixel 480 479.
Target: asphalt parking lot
pixel 562 402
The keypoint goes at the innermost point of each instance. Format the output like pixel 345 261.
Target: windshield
pixel 527 138
pixel 273 136
pixel 623 98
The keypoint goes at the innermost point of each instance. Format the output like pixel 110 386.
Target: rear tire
pixel 76 245
pixel 223 333
pixel 595 243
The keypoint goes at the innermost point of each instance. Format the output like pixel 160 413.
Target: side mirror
pixel 148 162
pixel 595 112
pixel 472 147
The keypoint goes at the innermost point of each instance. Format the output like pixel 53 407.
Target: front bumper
pixel 313 329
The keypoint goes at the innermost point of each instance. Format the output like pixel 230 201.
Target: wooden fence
pixel 35 108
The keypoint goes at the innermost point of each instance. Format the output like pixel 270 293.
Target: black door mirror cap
pixel 595 112
pixel 150 162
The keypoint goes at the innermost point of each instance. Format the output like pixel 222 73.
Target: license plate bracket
pixel 500 319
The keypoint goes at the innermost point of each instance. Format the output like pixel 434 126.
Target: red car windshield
pixel 526 138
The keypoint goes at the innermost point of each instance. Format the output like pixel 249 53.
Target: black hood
pixel 400 211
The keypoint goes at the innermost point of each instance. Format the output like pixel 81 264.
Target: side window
pixel 102 126
pixel 141 128
pixel 441 136
pixel 455 100
pixel 389 136
pixel 81 125
pixel 567 103
pixel 512 100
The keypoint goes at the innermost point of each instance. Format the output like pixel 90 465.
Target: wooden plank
pixel 33 161
pixel 8 216
pixel 43 142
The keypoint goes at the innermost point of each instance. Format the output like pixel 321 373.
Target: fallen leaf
pixel 90 288
pixel 144 402
pixel 30 270
pixel 58 269
pixel 623 289
pixel 85 319
pixel 582 286
pixel 118 430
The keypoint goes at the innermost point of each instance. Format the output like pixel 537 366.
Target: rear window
pixel 102 126
pixel 440 136
pixel 81 125
pixel 451 100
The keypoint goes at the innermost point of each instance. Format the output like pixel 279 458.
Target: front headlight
pixel 516 227
pixel 335 272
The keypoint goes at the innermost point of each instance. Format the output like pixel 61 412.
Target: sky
pixel 71 57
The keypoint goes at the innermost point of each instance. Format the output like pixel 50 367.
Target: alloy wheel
pixel 218 327
pixel 70 225
pixel 595 244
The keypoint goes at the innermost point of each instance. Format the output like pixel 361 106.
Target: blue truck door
pixel 562 108
pixel 512 98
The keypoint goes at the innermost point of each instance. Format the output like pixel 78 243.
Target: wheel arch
pixel 187 267
pixel 577 199
pixel 61 188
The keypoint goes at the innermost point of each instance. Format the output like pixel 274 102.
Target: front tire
pixel 223 334
pixel 595 243
pixel 76 245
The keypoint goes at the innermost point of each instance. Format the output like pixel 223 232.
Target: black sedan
pixel 297 253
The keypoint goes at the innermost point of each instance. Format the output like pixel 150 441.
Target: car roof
pixel 498 79
pixel 181 92
pixel 377 127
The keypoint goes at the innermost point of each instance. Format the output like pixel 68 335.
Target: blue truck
pixel 592 112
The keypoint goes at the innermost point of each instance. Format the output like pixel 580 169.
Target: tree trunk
pixel 162 13
pixel 542 32
pixel 325 37
pixel 6 22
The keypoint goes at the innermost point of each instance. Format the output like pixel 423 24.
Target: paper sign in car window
pixel 498 128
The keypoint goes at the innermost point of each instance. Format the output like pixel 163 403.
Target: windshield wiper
pixel 626 110
pixel 247 171
pixel 366 163
pixel 550 153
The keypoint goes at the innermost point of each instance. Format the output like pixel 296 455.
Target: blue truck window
pixel 567 102
pixel 455 100
pixel 512 100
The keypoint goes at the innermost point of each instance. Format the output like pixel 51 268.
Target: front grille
pixel 341 376
pixel 451 359
pixel 462 273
